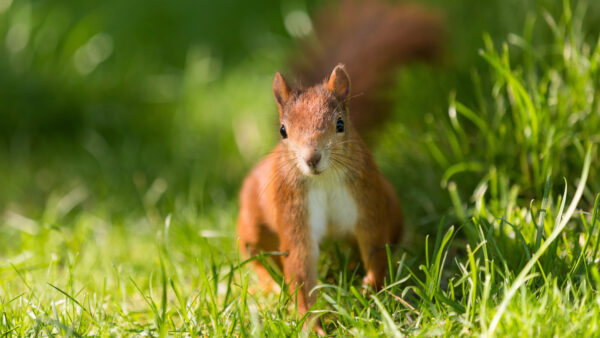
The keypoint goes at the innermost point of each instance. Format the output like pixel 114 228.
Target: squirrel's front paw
pixel 367 284
pixel 372 282
pixel 369 280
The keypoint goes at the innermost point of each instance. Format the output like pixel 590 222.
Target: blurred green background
pixel 132 109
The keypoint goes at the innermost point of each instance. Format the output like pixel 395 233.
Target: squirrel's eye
pixel 283 132
pixel 339 126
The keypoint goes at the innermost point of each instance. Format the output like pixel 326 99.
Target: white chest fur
pixel 331 209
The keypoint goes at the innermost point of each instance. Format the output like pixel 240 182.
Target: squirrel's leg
pixel 300 270
pixel 254 239
pixel 302 253
pixel 255 236
pixel 373 255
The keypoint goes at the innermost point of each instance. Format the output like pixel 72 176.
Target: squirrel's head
pixel 314 122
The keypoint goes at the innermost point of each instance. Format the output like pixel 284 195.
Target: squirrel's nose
pixel 313 159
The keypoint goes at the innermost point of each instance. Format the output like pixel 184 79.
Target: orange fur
pixel 274 205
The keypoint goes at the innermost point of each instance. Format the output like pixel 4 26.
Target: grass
pixel 500 187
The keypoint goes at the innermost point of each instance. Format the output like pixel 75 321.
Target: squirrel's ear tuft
pixel 339 83
pixel 281 90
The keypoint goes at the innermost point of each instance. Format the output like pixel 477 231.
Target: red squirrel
pixel 321 179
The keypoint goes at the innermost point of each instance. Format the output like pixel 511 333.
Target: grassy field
pixel 123 145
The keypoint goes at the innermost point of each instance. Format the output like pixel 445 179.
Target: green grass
pixel 498 175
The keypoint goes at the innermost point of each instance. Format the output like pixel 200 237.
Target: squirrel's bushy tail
pixel 371 38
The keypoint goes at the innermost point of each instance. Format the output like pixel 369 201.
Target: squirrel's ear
pixel 281 91
pixel 339 83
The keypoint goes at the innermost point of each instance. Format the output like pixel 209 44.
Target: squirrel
pixel 321 180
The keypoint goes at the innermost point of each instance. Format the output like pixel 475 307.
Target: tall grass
pixel 542 111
